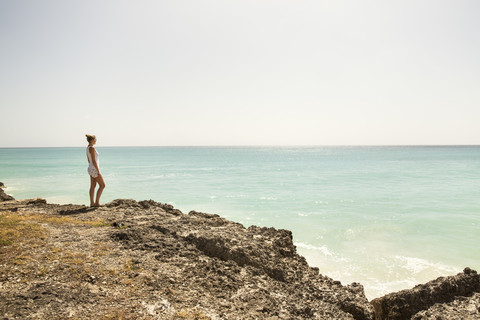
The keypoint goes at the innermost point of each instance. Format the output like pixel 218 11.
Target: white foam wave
pixel 268 198
pixel 375 288
pixel 418 265
pixel 237 196
pixel 322 249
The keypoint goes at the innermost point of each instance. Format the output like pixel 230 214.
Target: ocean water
pixel 387 217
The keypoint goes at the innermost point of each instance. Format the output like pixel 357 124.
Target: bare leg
pixel 101 183
pixel 93 184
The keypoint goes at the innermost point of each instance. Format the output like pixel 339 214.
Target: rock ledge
pixel 148 260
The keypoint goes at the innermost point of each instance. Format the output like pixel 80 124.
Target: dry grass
pixel 189 315
pixel 15 228
pixel 112 315
pixel 31 250
pixel 26 230
pixel 23 245
pixel 39 218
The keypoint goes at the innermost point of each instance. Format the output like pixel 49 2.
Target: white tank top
pixel 89 156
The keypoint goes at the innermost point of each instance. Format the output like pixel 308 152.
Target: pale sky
pixel 243 72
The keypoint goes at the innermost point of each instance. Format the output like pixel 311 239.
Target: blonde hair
pixel 90 137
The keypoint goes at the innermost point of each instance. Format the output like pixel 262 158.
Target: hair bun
pixel 90 137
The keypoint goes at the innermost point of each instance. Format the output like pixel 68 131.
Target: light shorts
pixel 92 172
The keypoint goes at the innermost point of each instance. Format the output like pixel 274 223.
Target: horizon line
pixel 254 146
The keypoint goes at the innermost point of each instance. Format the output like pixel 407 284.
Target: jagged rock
pixel 123 203
pixel 145 204
pixel 3 195
pixel 36 201
pixel 406 303
pixel 257 268
pixel 74 209
pixel 148 260
pixel 465 308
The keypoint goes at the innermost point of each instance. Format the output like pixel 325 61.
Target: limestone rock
pixel 406 303
pixel 3 195
pixel 148 260
pixel 466 308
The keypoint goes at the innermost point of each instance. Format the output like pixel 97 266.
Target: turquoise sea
pixel 387 217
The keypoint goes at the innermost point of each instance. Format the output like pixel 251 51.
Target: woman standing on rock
pixel 94 171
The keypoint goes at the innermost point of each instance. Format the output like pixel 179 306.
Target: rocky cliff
pixel 148 260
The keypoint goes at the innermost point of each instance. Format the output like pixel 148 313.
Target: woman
pixel 94 171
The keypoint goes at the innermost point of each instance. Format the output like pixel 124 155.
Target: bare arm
pixel 94 161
